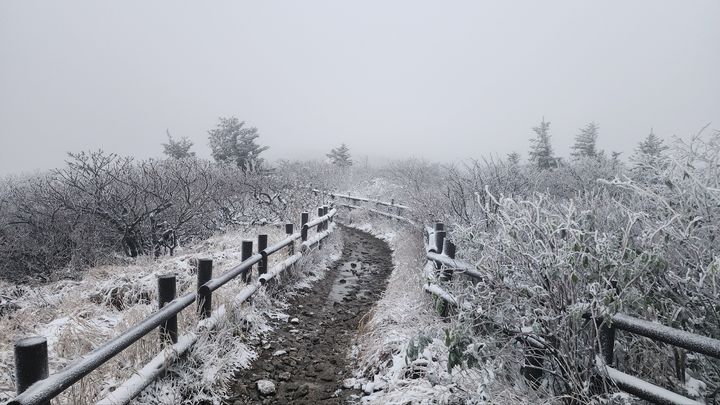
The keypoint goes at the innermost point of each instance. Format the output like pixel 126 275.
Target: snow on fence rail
pixel 36 387
pixel 441 251
pixel 399 208
pixel 363 199
pixel 656 332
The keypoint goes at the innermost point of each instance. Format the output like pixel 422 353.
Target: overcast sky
pixel 440 80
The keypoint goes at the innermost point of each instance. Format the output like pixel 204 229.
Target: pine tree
pixel 585 142
pixel 177 149
pixel 340 156
pixel 541 152
pixel 232 142
pixel 650 151
pixel 513 158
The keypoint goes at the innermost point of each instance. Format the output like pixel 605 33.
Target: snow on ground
pixel 78 316
pixel 205 374
pixel 400 350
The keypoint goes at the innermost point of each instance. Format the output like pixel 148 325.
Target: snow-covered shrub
pixel 103 209
pixel 78 316
pixel 554 255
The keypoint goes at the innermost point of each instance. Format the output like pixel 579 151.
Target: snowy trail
pixel 307 357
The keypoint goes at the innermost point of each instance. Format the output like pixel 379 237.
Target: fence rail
pixel 441 252
pixel 36 387
pixel 363 199
pixel 436 242
pixel 399 207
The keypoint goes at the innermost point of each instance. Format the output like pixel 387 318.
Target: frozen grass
pixel 552 244
pixel 386 369
pixel 205 374
pixel 77 316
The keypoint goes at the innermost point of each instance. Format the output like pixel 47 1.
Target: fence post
pixel 439 226
pixel 606 336
pixel 204 274
pixel 262 245
pixel 439 240
pixel 247 246
pixel 449 251
pixel 606 333
pixel 31 362
pixel 288 232
pixel 326 223
pixel 320 225
pixel 166 293
pixel 304 218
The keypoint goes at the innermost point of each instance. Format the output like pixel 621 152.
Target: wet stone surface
pixel 307 358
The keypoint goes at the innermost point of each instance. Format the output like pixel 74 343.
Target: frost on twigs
pixel 591 237
pixel 78 316
pixel 553 243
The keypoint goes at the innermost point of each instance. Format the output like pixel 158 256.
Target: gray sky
pixel 440 80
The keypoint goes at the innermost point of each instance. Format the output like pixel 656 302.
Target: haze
pixel 439 80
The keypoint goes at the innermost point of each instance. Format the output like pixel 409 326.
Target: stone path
pixel 306 360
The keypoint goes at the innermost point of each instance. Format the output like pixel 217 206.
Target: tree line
pixel 649 151
pixel 232 141
pixel 102 207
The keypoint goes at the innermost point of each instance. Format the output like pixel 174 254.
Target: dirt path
pixel 307 358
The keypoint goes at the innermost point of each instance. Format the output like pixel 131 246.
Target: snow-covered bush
pixel 641 245
pixel 78 316
pixel 102 207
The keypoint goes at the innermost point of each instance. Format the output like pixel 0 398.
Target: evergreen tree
pixel 177 149
pixel 650 151
pixel 232 142
pixel 585 142
pixel 541 152
pixel 513 158
pixel 340 156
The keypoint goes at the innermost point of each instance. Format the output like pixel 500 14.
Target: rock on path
pixel 306 359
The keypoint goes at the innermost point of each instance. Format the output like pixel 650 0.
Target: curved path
pixel 307 358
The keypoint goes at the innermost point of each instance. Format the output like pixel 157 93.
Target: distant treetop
pixel 177 149
pixel 541 151
pixel 650 151
pixel 232 142
pixel 585 142
pixel 340 156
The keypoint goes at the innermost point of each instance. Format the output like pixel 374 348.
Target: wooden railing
pixel 34 384
pixel 441 251
pixel 447 265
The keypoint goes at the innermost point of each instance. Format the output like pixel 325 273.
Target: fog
pixel 439 80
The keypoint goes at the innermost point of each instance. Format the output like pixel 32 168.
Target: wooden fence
pixel 34 384
pixel 441 251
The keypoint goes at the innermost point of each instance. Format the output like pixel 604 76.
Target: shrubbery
pixel 101 207
pixel 553 243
